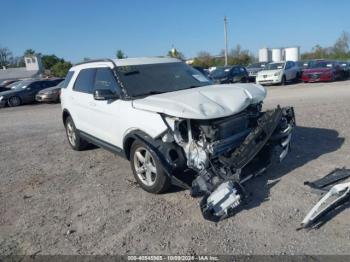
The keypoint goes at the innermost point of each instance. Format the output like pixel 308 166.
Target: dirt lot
pixel 57 201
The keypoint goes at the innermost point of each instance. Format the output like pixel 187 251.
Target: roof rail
pixel 97 60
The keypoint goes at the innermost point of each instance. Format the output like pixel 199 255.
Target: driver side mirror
pixel 105 94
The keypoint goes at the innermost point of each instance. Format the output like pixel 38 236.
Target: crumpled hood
pixel 206 102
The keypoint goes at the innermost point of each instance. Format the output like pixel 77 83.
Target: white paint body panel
pixel 207 102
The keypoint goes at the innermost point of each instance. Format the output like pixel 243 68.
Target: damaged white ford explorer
pixel 166 118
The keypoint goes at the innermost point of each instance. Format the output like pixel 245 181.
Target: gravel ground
pixel 57 201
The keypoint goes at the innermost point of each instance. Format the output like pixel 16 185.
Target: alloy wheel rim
pixel 71 134
pixel 145 167
pixel 15 101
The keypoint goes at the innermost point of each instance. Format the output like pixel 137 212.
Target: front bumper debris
pixel 341 191
pixel 221 184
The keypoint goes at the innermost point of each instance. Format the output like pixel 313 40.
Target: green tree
pixel 29 52
pixel 49 61
pixel 341 46
pixel 5 57
pixel 203 59
pixel 120 54
pixel 340 50
pixel 236 56
pixel 61 69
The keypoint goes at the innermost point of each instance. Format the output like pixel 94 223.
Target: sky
pixel 75 29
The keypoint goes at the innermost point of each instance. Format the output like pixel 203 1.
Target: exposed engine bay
pixel 226 152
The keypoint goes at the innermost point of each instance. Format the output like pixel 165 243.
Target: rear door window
pixel 85 81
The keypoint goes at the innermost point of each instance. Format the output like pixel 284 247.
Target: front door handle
pixel 92 104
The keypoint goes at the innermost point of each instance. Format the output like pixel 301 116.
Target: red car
pixel 322 71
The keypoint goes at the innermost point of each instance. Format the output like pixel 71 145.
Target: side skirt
pixel 103 144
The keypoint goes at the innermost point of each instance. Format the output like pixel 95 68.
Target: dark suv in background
pixel 25 92
pixel 229 74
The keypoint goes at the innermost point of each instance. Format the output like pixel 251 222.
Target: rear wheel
pixel 147 169
pixel 14 101
pixel 75 141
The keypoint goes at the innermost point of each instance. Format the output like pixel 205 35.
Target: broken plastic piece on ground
pixel 335 176
pixel 321 208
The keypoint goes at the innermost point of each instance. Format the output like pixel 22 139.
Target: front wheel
pixel 14 101
pixel 147 169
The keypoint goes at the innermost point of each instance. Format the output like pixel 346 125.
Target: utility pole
pixel 225 30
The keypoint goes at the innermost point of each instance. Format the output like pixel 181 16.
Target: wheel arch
pixel 131 137
pixel 65 115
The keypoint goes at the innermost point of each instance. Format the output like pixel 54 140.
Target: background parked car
pixel 278 73
pixel 322 71
pixel 253 70
pixel 24 92
pixel 204 71
pixel 51 94
pixel 229 74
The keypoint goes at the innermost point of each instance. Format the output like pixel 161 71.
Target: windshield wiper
pixel 148 94
pixel 194 86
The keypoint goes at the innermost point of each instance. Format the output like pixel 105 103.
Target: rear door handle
pixel 92 104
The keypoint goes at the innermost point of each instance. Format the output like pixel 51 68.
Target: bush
pixel 60 69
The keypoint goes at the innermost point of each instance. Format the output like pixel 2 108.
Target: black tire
pixel 244 80
pixel 14 101
pixel 283 81
pixel 297 78
pixel 74 140
pixel 159 181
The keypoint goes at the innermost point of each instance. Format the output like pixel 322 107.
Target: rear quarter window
pixel 67 79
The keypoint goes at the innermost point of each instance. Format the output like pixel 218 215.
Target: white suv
pixel 279 73
pixel 166 117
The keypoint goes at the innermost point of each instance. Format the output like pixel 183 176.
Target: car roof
pixel 279 62
pixel 125 62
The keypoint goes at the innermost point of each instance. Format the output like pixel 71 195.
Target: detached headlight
pixel 277 73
